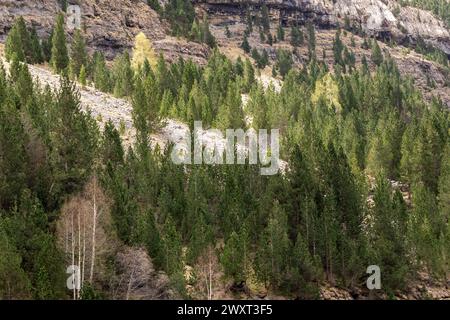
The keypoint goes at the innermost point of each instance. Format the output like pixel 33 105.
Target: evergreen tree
pixel 245 45
pixel 311 41
pixel 36 49
pixel 101 76
pixel 232 259
pixel 444 182
pixel 14 43
pixel 265 20
pixel 82 76
pixel 123 76
pixel 154 4
pixel 296 37
pixel 78 54
pixel 272 257
pixel 60 57
pixel 280 33
pixel 377 55
pixel 284 62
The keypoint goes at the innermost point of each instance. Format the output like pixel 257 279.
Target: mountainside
pixel 383 19
pixel 107 180
pixel 110 26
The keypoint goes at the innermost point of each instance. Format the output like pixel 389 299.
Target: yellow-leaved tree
pixel 327 89
pixel 142 50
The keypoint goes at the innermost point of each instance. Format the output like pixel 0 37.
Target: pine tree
pixel 273 251
pixel 82 76
pixel 101 76
pixel 265 20
pixel 14 282
pixel 249 76
pixel 338 47
pixel 47 47
pixel 123 76
pixel 444 182
pixel 75 137
pixel 78 53
pixel 311 41
pixel 377 55
pixel 245 45
pixel 296 37
pixel 14 44
pixel 389 237
pixel 205 34
pixel 171 248
pixel 38 56
pixel 13 170
pixel 232 259
pixel 60 57
pixel 280 33
pixel 284 62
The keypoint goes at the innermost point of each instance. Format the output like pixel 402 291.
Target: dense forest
pixel 350 135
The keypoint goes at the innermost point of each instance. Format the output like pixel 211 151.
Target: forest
pixel 350 136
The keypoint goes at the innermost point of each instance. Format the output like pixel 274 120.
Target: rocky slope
pixel 383 19
pixel 110 26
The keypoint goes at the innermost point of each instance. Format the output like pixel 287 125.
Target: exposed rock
pixel 110 26
pixel 384 19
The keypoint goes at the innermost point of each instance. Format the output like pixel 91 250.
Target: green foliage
pixel 78 54
pixel 60 57
pixel 180 14
pixel 297 37
pixel 154 4
pixel 100 73
pixel 123 76
pixel 265 20
pixel 280 33
pixel 284 62
pixel 377 55
pixel 201 33
pixel 289 232
pixel 19 42
pixel 245 45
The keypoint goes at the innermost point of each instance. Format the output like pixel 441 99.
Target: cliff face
pixel 110 26
pixel 384 19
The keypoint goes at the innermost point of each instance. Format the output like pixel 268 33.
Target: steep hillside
pixel 383 19
pixel 110 26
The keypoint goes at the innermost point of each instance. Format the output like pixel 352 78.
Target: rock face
pixel 384 19
pixel 110 26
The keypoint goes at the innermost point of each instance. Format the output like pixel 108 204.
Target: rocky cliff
pixel 384 19
pixel 110 26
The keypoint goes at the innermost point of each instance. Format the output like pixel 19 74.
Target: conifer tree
pixel 377 55
pixel 232 259
pixel 60 57
pixel 78 53
pixel 296 36
pixel 123 76
pixel 82 76
pixel 265 20
pixel 311 41
pixel 280 33
pixel 245 45
pixel 101 76
pixel 142 51
pixel 14 44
